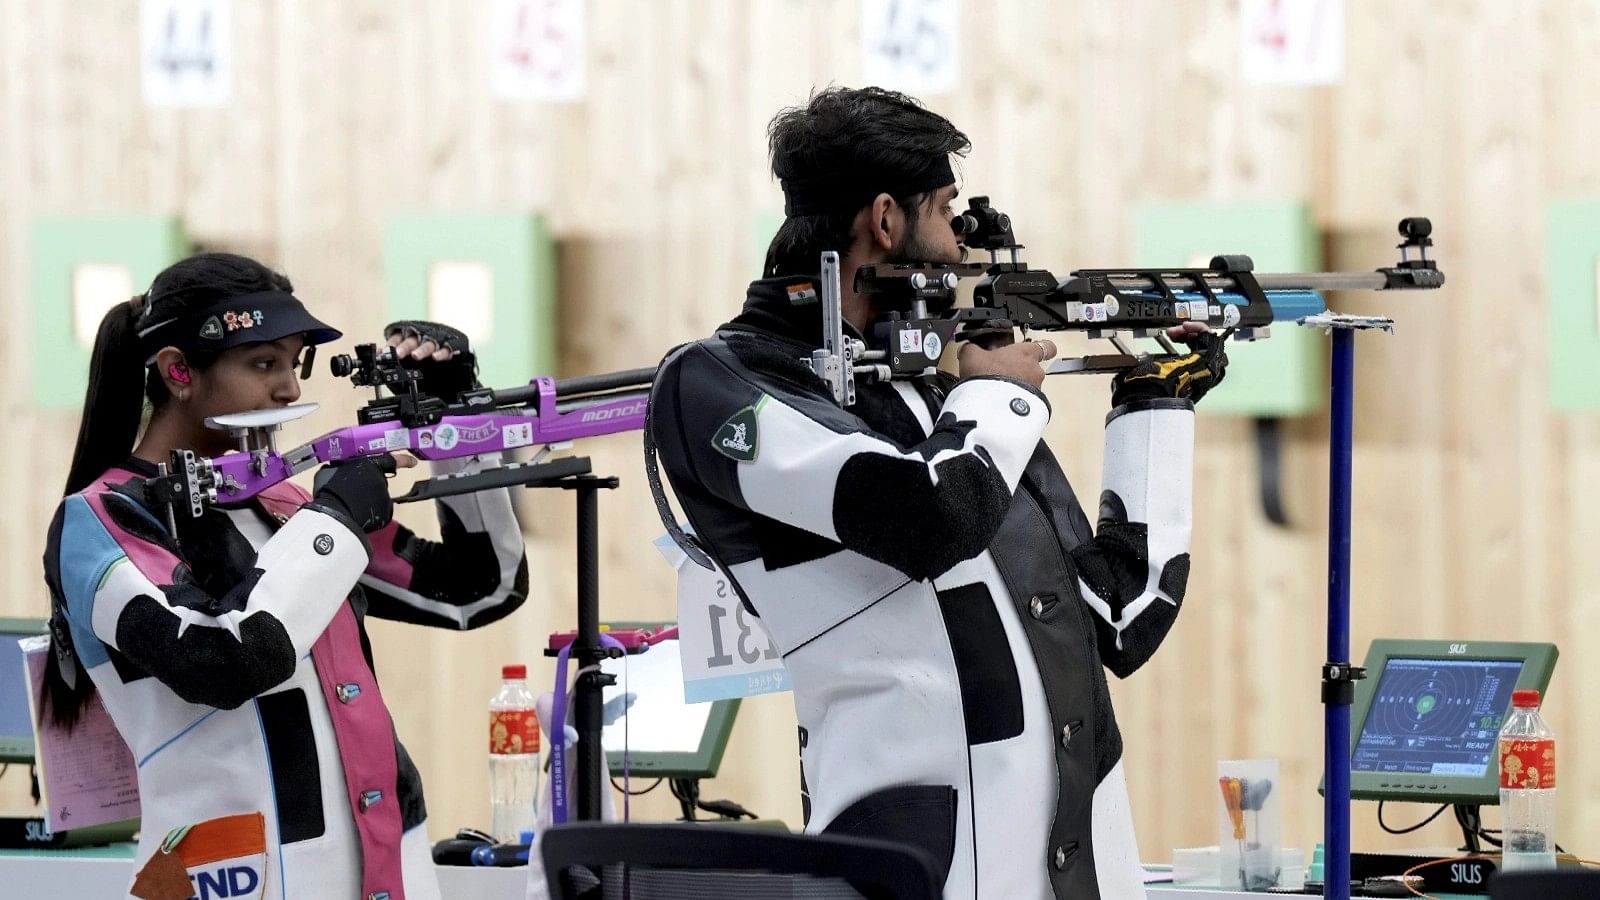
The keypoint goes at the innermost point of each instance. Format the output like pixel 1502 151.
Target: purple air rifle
pixel 545 413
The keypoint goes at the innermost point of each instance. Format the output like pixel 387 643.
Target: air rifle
pixel 545 413
pixel 1111 304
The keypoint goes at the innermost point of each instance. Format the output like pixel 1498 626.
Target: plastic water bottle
pixel 1527 786
pixel 513 755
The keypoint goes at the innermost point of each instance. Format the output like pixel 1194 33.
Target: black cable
pixel 687 790
pixel 1416 827
pixel 1471 822
pixel 727 809
pixel 637 793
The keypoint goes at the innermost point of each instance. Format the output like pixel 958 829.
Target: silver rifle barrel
pixel 1324 281
pixel 1312 281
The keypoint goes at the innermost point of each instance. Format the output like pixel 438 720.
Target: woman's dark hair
pixel 120 384
pixel 845 130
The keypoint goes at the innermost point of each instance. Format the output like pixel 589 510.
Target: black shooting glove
pixel 448 379
pixel 357 490
pixel 1186 377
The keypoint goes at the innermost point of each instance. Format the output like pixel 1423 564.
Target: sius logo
pixel 1466 873
pixel 1458 649
pixel 231 881
pixel 37 833
pixel 602 415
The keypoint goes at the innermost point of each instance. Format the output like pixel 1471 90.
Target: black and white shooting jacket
pixel 944 609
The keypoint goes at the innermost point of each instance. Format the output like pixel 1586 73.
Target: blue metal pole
pixel 1336 811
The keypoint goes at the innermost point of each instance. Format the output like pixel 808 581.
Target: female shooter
pixel 232 654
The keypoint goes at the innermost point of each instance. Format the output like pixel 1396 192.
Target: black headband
pixel 825 194
pixel 233 322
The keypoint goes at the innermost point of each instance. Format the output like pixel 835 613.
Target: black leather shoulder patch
pixel 129 515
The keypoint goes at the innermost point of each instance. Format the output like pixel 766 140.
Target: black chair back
pixel 592 861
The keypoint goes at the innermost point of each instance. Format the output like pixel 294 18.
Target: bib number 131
pixel 750 646
pixel 725 651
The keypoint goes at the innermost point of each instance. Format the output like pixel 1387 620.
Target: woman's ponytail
pixel 114 402
pixel 113 406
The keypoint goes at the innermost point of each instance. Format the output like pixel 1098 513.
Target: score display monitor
pixel 662 736
pixel 1426 721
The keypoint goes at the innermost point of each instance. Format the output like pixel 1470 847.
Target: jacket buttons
pixel 1067 731
pixel 1036 606
pixel 1062 854
pixel 347 691
pixel 369 799
pixel 378 895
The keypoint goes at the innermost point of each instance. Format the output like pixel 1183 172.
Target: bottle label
pixel 513 731
pixel 1527 763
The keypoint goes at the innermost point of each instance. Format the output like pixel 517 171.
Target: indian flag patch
pixel 801 294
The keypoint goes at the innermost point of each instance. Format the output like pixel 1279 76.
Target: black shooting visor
pixel 237 321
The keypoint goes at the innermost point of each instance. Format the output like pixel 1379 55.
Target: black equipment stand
pixel 571 474
pixel 592 775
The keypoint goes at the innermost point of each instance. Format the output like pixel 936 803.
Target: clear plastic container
pixel 513 756
pixel 1249 830
pixel 1527 787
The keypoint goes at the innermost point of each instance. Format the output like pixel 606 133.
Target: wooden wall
pixel 1471 518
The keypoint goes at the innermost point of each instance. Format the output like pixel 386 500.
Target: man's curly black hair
pixel 846 130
